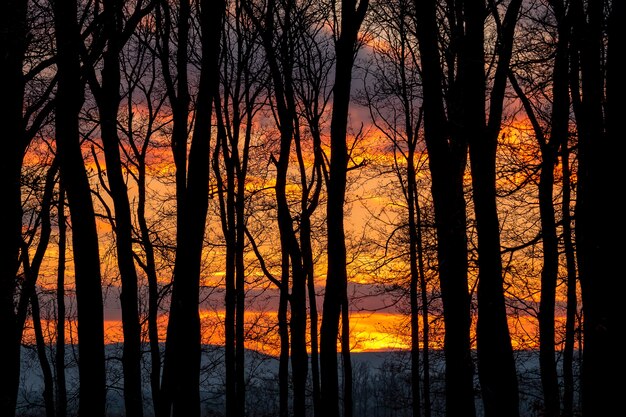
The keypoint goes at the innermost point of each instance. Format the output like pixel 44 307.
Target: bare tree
pixel 447 151
pixel 335 296
pixel 26 86
pixel 496 364
pixel 597 251
pixel 13 29
pixel 59 362
pixel 181 373
pixel 395 107
pixel 106 90
pixel 549 147
pixel 242 86
pixel 69 100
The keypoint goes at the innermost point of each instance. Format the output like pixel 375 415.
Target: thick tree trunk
pixel 447 161
pixel 598 216
pixel 183 345
pixel 13 28
pixel 69 98
pixel 496 364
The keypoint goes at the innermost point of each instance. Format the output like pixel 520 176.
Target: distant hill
pixel 381 383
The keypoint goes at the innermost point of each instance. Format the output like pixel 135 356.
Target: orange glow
pixel 369 332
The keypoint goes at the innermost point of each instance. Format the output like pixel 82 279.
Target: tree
pixel 496 364
pixel 69 100
pixel 13 28
pixel 140 128
pixel 26 85
pixel 181 373
pixel 549 150
pixel 335 296
pixel 596 249
pixel 395 107
pixel 106 90
pixel 447 151
pixel 242 84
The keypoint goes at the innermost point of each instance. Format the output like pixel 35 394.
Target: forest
pixel 312 208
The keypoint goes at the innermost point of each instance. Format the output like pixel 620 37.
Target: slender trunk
pixel 572 307
pixel 29 292
pixel 337 278
pixel 69 98
pixel 447 161
pixel 299 355
pixel 345 357
pixel 307 255
pixel 240 350
pixel 61 386
pixel 425 313
pixel 280 63
pixel 153 287
pixel 227 215
pixel 108 100
pixel 48 382
pixel 177 328
pixel 283 332
pixel 310 201
pixel 13 30
pixel 229 336
pixel 415 278
pixel 549 273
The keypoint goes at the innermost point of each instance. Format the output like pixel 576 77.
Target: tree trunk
pixel 598 217
pixel 61 386
pixel 13 29
pixel 48 383
pixel 280 62
pixel 69 98
pixel 549 273
pixel 572 307
pixel 307 255
pixel 228 213
pixel 496 364
pixel 183 345
pixel 108 99
pixel 425 314
pixel 153 285
pixel 337 277
pixel 415 261
pixel 447 161
pixel 29 290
